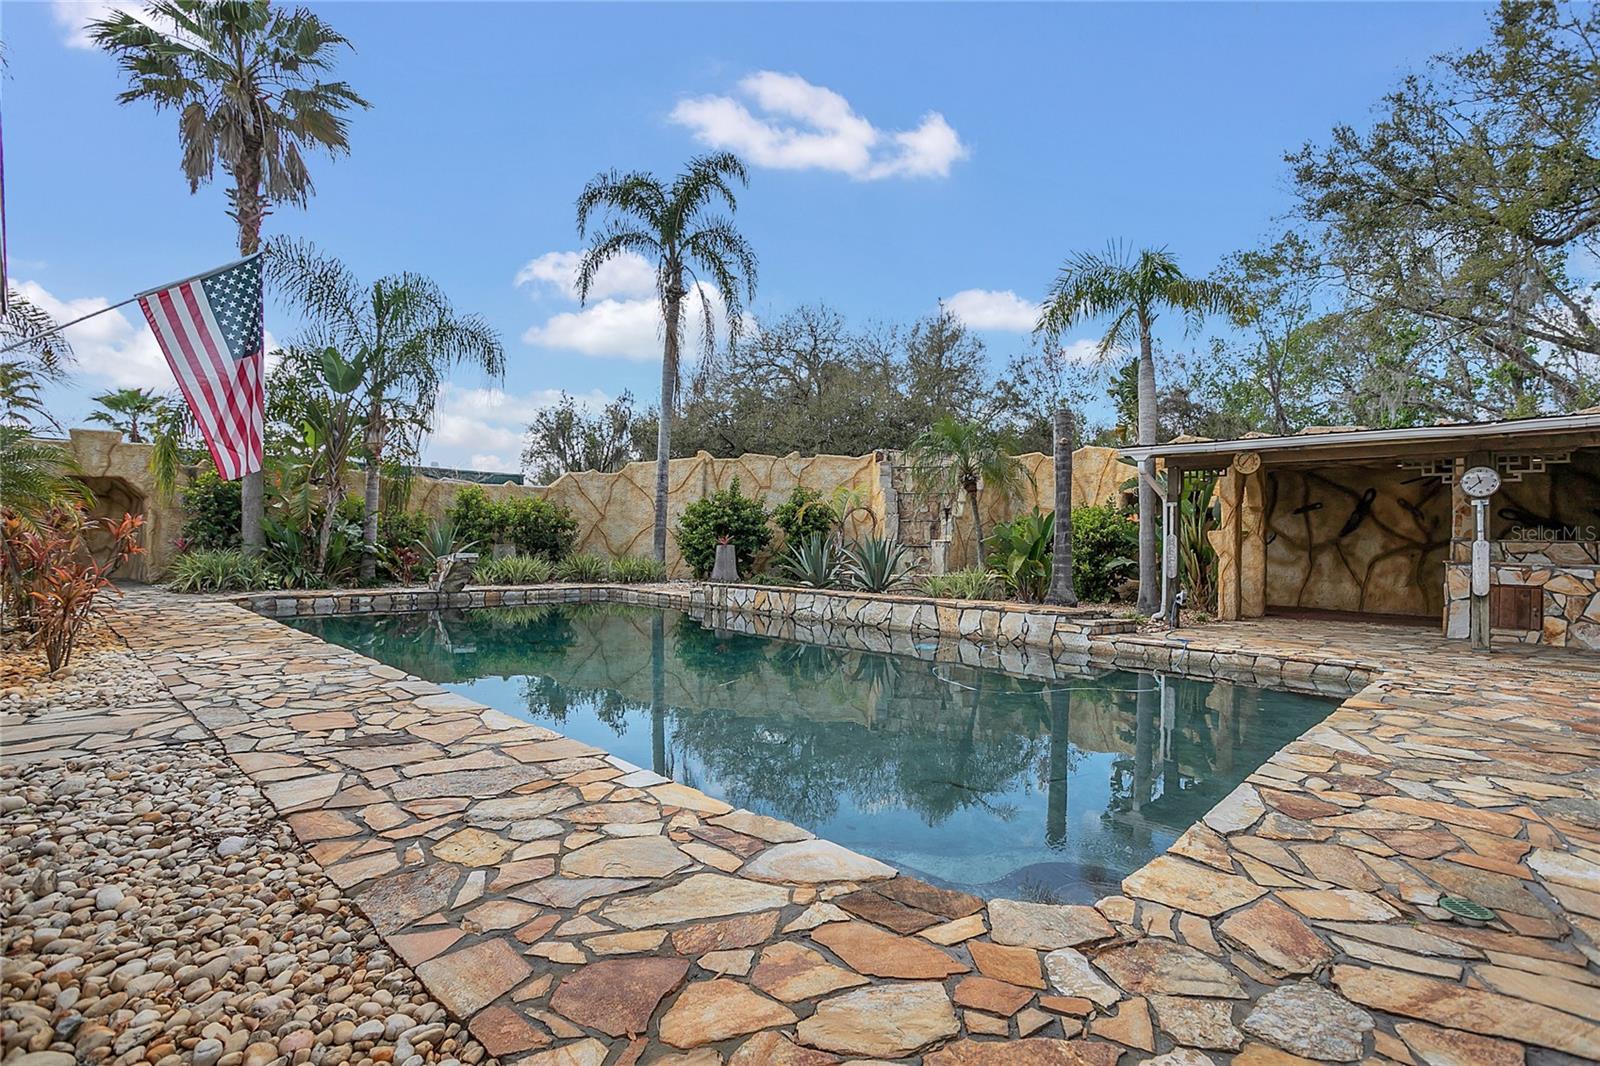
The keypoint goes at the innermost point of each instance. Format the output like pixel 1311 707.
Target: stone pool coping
pixel 1300 916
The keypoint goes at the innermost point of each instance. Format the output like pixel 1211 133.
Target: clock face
pixel 1480 481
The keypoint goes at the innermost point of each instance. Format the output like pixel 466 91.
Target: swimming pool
pixel 970 778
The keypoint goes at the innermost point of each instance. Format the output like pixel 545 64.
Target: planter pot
pixel 726 567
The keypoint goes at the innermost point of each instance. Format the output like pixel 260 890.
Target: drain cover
pixel 1466 909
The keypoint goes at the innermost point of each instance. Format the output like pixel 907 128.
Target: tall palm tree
pixel 1133 289
pixel 129 410
pixel 676 227
pixel 951 457
pixel 246 79
pixel 403 332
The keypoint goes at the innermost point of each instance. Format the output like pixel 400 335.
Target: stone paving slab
pixel 573 912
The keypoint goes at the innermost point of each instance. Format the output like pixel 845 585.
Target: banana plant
pixel 334 428
pixel 1020 553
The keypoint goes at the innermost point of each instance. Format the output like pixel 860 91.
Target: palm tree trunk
pixel 669 388
pixel 1149 577
pixel 977 526
pixel 369 521
pixel 248 212
pixel 1062 592
pixel 325 534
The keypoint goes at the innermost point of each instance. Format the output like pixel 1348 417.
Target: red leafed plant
pixel 52 578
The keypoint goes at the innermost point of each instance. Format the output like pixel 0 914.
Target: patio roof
pixel 1580 429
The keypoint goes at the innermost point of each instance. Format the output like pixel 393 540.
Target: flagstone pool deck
pixel 577 911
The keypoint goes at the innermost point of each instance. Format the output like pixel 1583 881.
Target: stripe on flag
pixel 209 328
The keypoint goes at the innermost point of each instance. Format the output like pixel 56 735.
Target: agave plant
pixel 879 564
pixel 441 539
pixel 814 562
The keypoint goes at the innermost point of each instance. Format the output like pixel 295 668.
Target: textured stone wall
pixel 616 511
pixel 1569 602
pixel 1348 538
pixel 118 474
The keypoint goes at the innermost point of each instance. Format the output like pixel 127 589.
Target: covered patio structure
pixel 1377 524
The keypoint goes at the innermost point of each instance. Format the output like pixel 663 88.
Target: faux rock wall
pixel 1367 539
pixel 616 511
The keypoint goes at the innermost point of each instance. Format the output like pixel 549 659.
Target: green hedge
pixel 532 525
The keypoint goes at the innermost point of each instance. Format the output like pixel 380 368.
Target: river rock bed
pixel 154 909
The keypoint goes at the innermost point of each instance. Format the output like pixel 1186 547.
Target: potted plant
pixel 726 566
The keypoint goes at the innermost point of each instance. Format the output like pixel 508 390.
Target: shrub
pixel 803 514
pixel 879 564
pixel 730 514
pixel 536 527
pixel 212 512
pixel 532 525
pixel 970 584
pixel 583 568
pixel 637 568
pixel 814 562
pixel 398 552
pixel 1105 547
pixel 218 570
pixel 1020 554
pixel 48 565
pixel 514 570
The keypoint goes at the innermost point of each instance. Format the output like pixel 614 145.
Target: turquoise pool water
pixel 969 778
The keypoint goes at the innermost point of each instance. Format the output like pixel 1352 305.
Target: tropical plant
pixel 952 457
pixel 128 410
pixel 441 539
pixel 1020 554
pixel 29 336
pixel 398 553
pixel 514 570
pixel 637 569
pixel 332 430
pixel 879 564
pixel 210 512
pixel 1197 558
pixel 1104 542
pixel 583 568
pixel 728 513
pixel 677 228
pixel 1132 289
pixel 246 79
pixel 968 584
pixel 36 475
pixel 806 512
pixel 406 335
pixel 218 570
pixel 54 580
pixel 815 561
pixel 289 554
pixel 20 402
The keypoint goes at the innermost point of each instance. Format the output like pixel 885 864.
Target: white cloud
pixel 994 309
pixel 804 126
pixel 627 275
pixel 477 428
pixel 74 17
pixel 1083 352
pixel 617 327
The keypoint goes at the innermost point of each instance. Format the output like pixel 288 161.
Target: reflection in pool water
pixel 970 778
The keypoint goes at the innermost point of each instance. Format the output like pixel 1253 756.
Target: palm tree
pixel 246 81
pixel 1062 592
pixel 128 410
pixel 1133 289
pixel 676 228
pixel 951 457
pixel 32 330
pixel 404 333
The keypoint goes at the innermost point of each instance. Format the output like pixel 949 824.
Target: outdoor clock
pixel 1480 482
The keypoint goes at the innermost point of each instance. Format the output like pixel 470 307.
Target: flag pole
pixel 35 338
pixel 53 330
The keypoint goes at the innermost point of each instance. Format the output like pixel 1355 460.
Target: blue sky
pixel 900 154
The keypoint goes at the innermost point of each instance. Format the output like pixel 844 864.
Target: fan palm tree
pixel 246 79
pixel 405 335
pixel 129 410
pixel 951 457
pixel 28 333
pixel 676 227
pixel 1133 289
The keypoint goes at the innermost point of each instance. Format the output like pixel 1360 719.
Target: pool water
pixel 969 778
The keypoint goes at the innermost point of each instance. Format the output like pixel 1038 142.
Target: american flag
pixel 209 328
